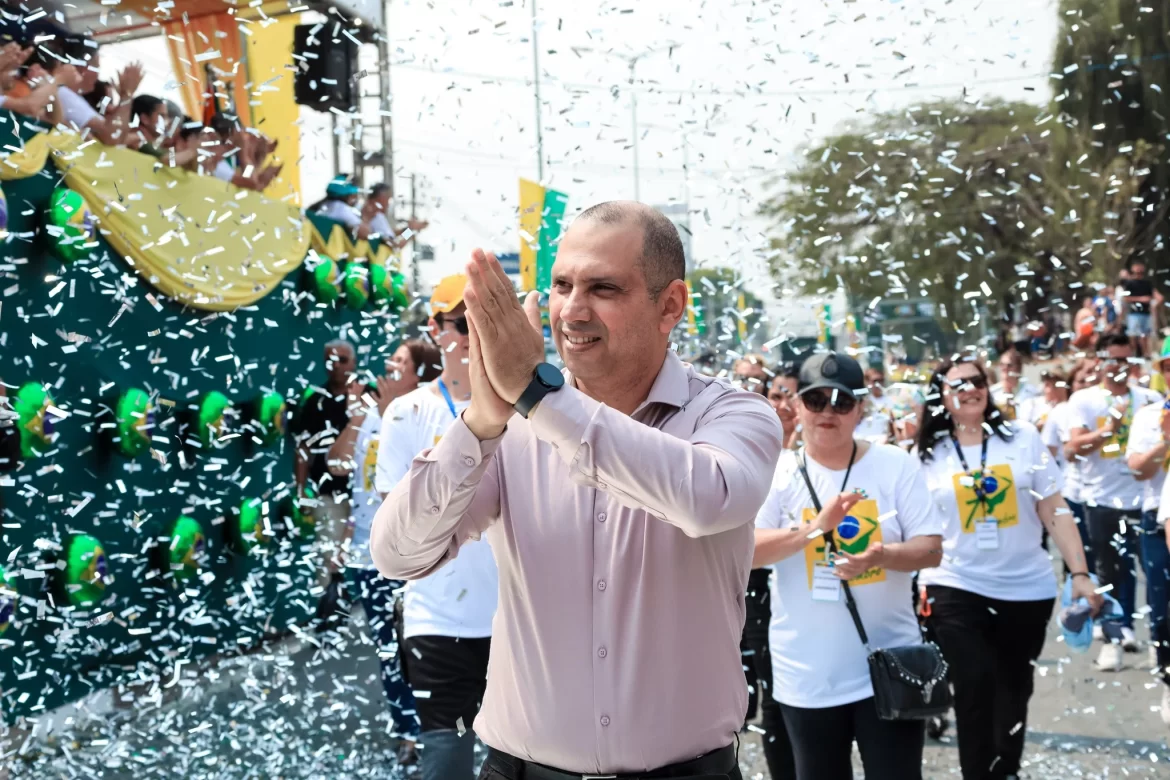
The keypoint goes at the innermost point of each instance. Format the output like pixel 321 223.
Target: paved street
pixel 304 711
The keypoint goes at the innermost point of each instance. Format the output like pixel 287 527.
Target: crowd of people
pixel 935 501
pixel 54 78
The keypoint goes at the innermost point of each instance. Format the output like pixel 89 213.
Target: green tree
pixel 1113 65
pixel 964 203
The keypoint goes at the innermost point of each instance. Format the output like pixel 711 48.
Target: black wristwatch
pixel 546 379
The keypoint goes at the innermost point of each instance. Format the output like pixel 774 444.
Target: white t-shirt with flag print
pixel 1106 479
pixel 1144 435
pixel 1020 473
pixel 458 600
pixel 817 657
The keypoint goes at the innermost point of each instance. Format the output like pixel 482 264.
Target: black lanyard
pixel 803 462
pixel 980 494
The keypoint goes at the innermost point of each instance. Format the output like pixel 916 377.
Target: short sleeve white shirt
pixel 459 599
pixel 1106 477
pixel 76 112
pixel 1145 434
pixel 817 657
pixel 1019 474
pixel 340 211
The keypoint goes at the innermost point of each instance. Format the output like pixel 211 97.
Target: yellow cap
pixel 448 294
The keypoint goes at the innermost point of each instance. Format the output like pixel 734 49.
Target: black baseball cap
pixel 831 371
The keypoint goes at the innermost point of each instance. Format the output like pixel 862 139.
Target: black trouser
pixel 448 677
pixel 1114 535
pixel 990 646
pixel 757 658
pixel 501 766
pixel 822 742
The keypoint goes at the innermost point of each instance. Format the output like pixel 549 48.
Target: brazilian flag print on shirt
pixel 860 528
pixel 999 490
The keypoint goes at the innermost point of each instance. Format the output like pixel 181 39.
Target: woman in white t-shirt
pixel 994 487
pixel 876 507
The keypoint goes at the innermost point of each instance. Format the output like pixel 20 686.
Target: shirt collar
pixel 672 386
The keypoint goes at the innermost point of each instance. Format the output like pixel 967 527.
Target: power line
pixel 488 157
pixel 712 91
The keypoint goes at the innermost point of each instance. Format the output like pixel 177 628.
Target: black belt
pixel 717 763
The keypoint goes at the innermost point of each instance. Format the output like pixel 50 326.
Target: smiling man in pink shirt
pixel 619 500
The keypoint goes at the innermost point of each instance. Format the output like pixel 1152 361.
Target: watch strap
pixel 531 396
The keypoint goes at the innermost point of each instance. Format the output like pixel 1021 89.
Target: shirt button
pixel 434 510
pixel 604 720
pixel 601 517
pixel 601 485
pixel 469 461
pixel 601 652
pixel 601 585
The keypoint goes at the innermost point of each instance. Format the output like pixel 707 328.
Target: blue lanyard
pixel 447 398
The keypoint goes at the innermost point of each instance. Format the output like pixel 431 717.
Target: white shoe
pixel 1098 633
pixel 1129 641
pixel 1166 705
pixel 1110 658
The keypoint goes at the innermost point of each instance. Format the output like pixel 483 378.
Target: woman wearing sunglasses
pixel 862 515
pixel 994 488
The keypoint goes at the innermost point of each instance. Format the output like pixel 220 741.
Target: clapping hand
pixel 509 334
pixel 505 345
pixel 129 80
pixel 847 566
pixel 834 512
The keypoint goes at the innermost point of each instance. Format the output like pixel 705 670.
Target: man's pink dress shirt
pixel 623 545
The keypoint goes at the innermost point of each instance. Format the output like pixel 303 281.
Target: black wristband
pixel 1080 574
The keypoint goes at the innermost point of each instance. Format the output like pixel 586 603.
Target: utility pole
pixel 634 129
pixel 413 207
pixel 536 92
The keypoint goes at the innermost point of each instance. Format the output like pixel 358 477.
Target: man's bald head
pixel 662 258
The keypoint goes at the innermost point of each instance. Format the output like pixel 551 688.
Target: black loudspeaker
pixel 327 62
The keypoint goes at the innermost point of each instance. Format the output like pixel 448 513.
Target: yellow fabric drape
pixel 271 100
pixel 200 241
pixel 212 40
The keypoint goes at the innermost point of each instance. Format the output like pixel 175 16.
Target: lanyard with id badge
pixel 826 585
pixel 987 529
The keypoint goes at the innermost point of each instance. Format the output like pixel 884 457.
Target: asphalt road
pixel 303 711
pixel 313 708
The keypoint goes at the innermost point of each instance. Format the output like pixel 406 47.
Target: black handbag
pixel 909 682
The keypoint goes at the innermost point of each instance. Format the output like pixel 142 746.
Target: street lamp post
pixel 632 62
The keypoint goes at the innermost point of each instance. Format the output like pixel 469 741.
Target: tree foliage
pixel 961 202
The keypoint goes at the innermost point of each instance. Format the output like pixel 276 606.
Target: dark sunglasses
pixel 977 382
pixel 816 401
pixel 459 323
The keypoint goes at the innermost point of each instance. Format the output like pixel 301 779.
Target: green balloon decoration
pixel 188 548
pixel 213 419
pixel 327 279
pixel 86 568
pixel 70 226
pixel 36 425
pixel 388 287
pixel 271 418
pixel 357 285
pixel 7 599
pixel 249 531
pixel 134 416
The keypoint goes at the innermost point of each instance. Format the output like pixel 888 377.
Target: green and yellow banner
pixel 542 212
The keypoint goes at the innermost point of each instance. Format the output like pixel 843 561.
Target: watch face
pixel 549 376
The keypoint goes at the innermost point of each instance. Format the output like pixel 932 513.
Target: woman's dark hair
pixel 144 105
pixel 936 418
pixel 1107 340
pixel 102 91
pixel 427 359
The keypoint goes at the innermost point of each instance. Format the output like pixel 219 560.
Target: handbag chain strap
pixel 831 545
